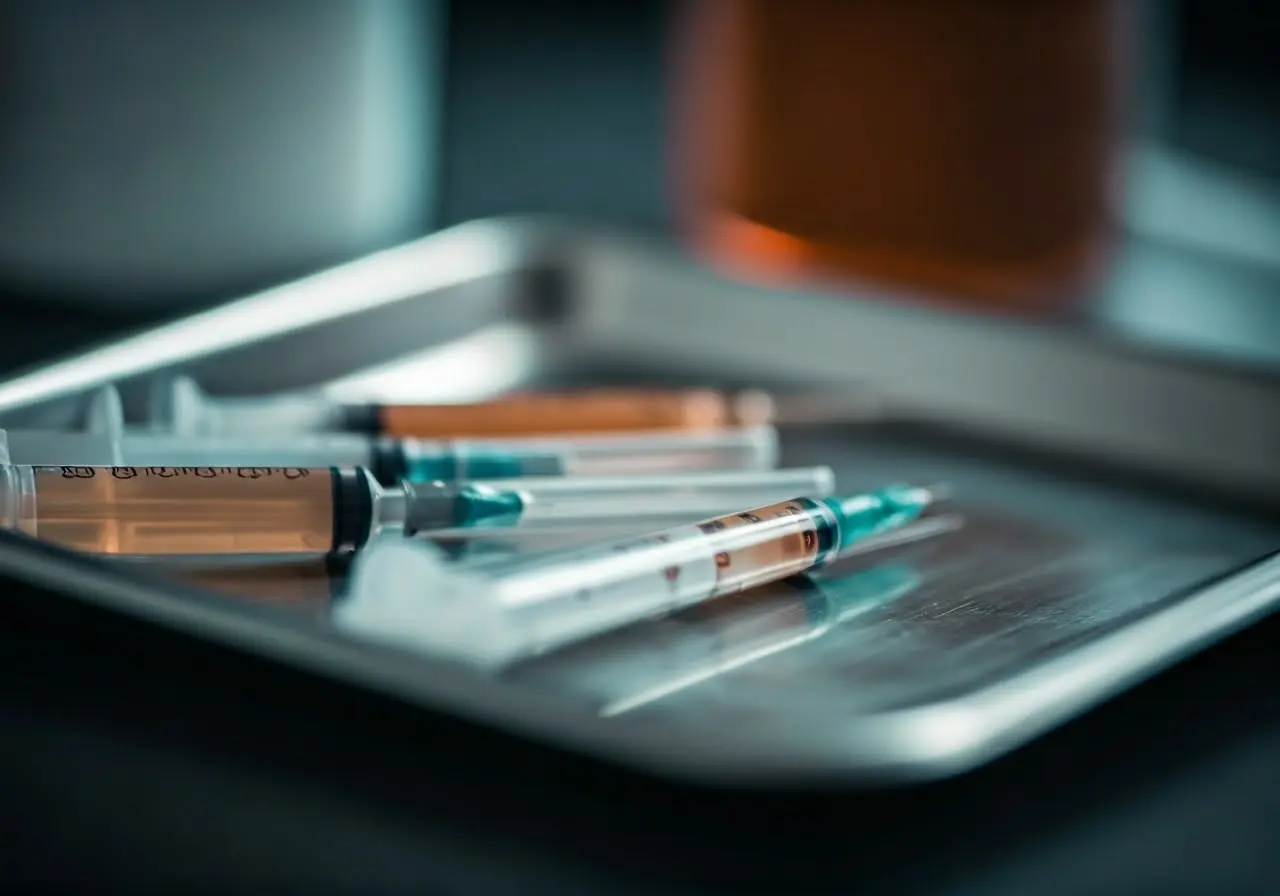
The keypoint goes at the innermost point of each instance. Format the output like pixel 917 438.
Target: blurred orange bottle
pixel 961 148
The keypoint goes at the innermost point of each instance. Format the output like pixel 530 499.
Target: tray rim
pixel 507 244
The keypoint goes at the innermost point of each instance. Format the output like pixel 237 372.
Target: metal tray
pixel 1065 583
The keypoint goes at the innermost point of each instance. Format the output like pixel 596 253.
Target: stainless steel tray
pixel 1060 588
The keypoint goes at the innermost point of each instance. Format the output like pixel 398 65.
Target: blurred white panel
pixel 149 148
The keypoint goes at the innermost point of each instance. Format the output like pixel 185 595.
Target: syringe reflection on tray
pixel 300 585
pixel 653 661
pixel 306 585
pixel 648 662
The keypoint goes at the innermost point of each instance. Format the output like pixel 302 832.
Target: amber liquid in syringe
pixel 185 510
pixel 600 410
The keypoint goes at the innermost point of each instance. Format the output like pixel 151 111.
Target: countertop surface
pixel 132 760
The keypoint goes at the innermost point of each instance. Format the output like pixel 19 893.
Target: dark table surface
pixel 136 759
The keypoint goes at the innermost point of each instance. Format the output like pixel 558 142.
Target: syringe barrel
pixel 17 499
pixel 428 461
pixel 579 411
pixel 190 510
pixel 49 448
pixel 478 546
pixel 580 501
pixel 743 448
pixel 747 448
pixel 328 450
pixel 180 406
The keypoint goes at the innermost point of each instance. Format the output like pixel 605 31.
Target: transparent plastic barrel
pixel 582 500
pixel 745 448
pixel 150 449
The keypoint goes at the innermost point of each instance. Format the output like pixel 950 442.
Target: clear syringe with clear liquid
pixel 418 460
pixel 405 593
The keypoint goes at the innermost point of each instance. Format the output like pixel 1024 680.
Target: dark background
pixel 131 760
pixel 558 108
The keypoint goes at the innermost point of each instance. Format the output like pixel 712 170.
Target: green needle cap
pixel 482 505
pixel 871 513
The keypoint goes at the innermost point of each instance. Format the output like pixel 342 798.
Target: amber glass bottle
pixel 961 148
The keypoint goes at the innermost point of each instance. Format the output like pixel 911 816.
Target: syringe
pixel 180 406
pixel 483 546
pixel 418 460
pixel 198 510
pixel 509 611
pixel 584 502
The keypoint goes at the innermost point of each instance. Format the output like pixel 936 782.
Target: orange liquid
pixel 793 550
pixel 547 414
pixel 961 147
pixel 185 510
